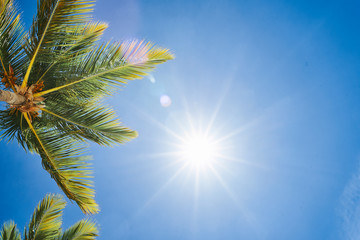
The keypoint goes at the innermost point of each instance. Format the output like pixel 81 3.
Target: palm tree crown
pixel 57 75
pixel 45 224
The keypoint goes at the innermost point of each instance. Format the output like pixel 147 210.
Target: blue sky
pixel 276 82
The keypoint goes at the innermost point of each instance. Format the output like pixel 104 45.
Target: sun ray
pixel 241 129
pixel 217 107
pixel 159 124
pixel 248 216
pixel 244 162
pixel 224 185
pixel 161 189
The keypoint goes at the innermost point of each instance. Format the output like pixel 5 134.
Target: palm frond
pixel 64 159
pixel 53 28
pixel 11 38
pixel 9 232
pixel 11 126
pixel 82 230
pixel 108 66
pixel 91 121
pixel 85 37
pixel 61 54
pixel 46 220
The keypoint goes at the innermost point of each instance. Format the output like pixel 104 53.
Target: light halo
pixel 198 150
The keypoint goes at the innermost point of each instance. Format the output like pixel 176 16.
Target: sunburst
pixel 198 150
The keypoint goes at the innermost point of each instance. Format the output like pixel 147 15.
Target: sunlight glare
pixel 199 150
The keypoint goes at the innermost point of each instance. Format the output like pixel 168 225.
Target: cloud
pixel 350 208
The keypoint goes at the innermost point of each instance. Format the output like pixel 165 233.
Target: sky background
pixel 276 82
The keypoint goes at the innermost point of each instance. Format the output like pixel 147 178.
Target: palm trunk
pixel 11 97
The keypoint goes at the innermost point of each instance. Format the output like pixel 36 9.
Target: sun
pixel 199 150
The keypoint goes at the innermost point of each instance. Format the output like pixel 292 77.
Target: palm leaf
pixel 85 37
pixel 9 232
pixel 45 224
pixel 82 230
pixel 91 121
pixel 64 159
pixel 109 66
pixel 61 52
pixel 11 38
pixel 11 125
pixel 53 27
pixel 46 220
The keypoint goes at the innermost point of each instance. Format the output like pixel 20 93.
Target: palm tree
pixel 54 80
pixel 45 224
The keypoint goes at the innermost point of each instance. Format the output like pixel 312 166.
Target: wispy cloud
pixel 350 208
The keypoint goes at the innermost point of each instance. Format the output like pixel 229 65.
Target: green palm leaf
pixel 54 27
pixel 109 66
pixel 45 224
pixel 62 61
pixel 92 121
pixel 85 36
pixel 82 230
pixel 64 159
pixel 46 220
pixel 11 125
pixel 9 232
pixel 11 37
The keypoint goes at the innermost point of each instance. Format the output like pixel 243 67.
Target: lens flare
pixel 165 101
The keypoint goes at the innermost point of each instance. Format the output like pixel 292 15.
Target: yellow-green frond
pixel 69 73
pixel 11 38
pixel 92 121
pixel 46 220
pixel 112 65
pixel 85 37
pixel 83 230
pixel 53 26
pixel 9 231
pixel 64 159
